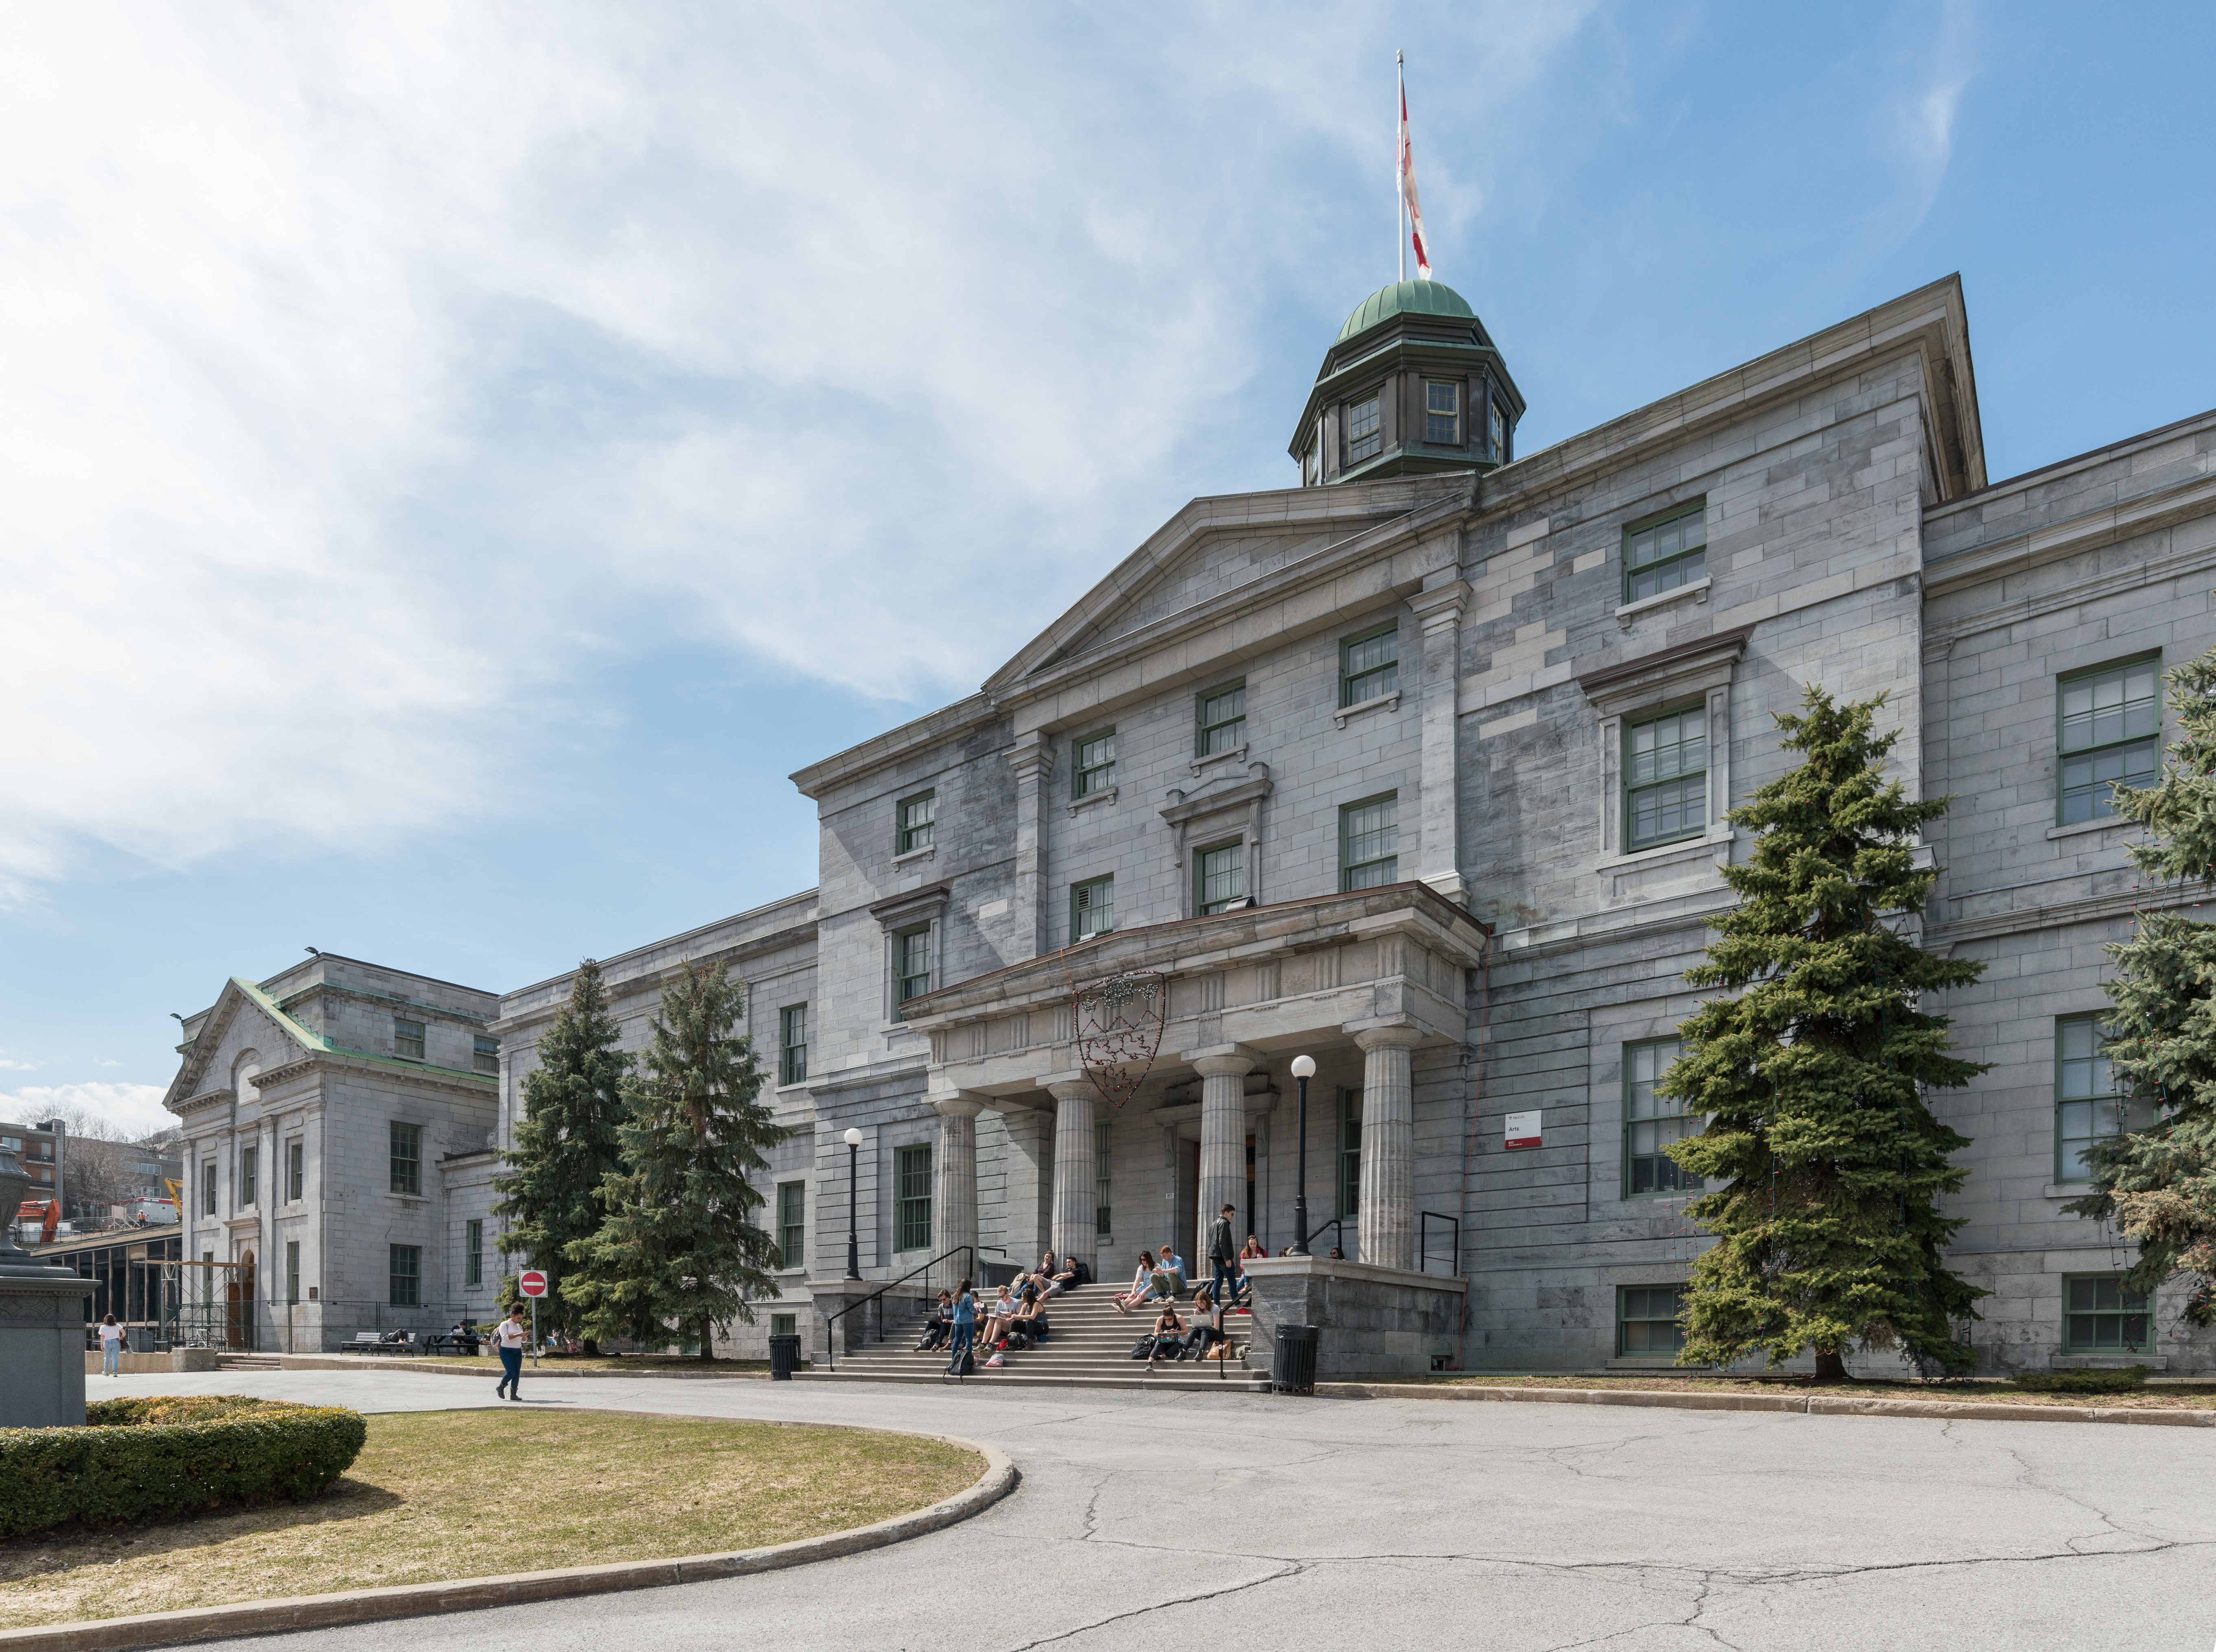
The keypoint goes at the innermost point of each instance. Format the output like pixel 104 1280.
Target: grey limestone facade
pixel 1419 769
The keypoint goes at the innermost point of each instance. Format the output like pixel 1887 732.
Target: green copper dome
pixel 1405 298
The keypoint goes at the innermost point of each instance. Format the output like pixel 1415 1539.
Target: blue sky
pixel 458 462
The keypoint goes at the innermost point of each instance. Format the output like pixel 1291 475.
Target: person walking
pixel 1222 1255
pixel 510 1339
pixel 111 1347
pixel 965 1324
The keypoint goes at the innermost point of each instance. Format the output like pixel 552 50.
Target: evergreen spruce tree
pixel 2158 1182
pixel 1824 1166
pixel 565 1145
pixel 680 1249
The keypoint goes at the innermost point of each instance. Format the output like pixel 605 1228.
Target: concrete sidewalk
pixel 1177 1520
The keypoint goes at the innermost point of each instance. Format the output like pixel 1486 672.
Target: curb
pixel 332 1362
pixel 307 1611
pixel 1814 1405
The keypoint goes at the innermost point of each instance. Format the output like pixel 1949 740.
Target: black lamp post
pixel 854 1199
pixel 1303 1070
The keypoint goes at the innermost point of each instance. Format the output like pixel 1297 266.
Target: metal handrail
pixel 1423 1235
pixel 877 1296
pixel 1337 1224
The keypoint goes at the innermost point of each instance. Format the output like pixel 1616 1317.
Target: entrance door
pixel 238 1304
pixel 1253 1224
pixel 1183 1233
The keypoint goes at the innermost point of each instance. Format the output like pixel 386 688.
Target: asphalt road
pixel 1247 1522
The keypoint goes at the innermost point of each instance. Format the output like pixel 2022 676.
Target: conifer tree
pixel 565 1145
pixel 680 1248
pixel 1823 1164
pixel 2158 1182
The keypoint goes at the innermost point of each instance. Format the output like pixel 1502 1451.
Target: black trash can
pixel 1293 1370
pixel 785 1358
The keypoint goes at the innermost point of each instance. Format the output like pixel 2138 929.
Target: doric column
pixel 955 1203
pixel 1388 1217
pixel 1437 858
pixel 1032 759
pixel 1222 1142
pixel 1076 1221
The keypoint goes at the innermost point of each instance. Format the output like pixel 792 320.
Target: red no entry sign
pixel 530 1282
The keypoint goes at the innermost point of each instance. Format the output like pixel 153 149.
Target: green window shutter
pixel 1662 554
pixel 1368 843
pixel 2109 734
pixel 1652 1122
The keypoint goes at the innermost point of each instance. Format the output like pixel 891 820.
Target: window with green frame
pixel 1220 715
pixel 1442 412
pixel 1350 1151
pixel 911 965
pixel 291 1270
pixel 473 1252
pixel 1646 1325
pixel 1095 768
pixel 911 1211
pixel 1652 1122
pixel 1220 877
pixel 792 1043
pixel 1496 429
pixel 404 1276
pixel 406 1037
pixel 1104 1135
pixel 296 1167
pixel 249 1168
pixel 916 817
pixel 1664 553
pixel 784 1324
pixel 207 1188
pixel 407 1157
pixel 484 1054
pixel 2109 723
pixel 1665 778
pixel 2086 1105
pixel 1369 843
pixel 792 1224
pixel 1370 665
pixel 1092 908
pixel 1365 435
pixel 2101 1315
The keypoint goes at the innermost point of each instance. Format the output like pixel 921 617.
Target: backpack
pixel 1144 1347
pixel 962 1364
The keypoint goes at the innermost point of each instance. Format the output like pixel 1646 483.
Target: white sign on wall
pixel 1523 1129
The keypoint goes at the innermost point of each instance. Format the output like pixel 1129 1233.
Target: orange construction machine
pixel 44 1214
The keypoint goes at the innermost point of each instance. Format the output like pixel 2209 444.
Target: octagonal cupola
pixel 1413 385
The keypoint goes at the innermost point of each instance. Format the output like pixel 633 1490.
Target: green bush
pixel 2084 1382
pixel 139 1460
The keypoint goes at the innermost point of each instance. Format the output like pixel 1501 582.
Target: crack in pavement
pixel 1294 1570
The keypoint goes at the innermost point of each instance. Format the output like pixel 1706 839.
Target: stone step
pixel 1173 1378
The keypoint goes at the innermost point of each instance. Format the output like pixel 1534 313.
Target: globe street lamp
pixel 854 1199
pixel 1303 1069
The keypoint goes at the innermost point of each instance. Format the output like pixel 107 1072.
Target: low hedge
pixel 139 1460
pixel 2084 1382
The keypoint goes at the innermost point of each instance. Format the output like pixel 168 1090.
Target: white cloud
pixel 368 368
pixel 124 1112
pixel 8 1065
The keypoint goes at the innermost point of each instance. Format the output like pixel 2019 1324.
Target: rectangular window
pixel 484 1055
pixel 473 1252
pixel 1662 556
pixel 1365 437
pixel 1102 1221
pixel 250 1165
pixel 2111 729
pixel 1350 1151
pixel 792 1043
pixel 1665 778
pixel 1442 412
pixel 1652 1122
pixel 1646 1325
pixel 1222 718
pixel 2101 1315
pixel 404 1273
pixel 291 1270
pixel 1095 768
pixel 296 1169
pixel 1496 430
pixel 1369 666
pixel 783 1324
pixel 1092 908
pixel 406 1037
pixel 916 816
pixel 207 1188
pixel 912 1217
pixel 1220 877
pixel 792 1224
pixel 911 964
pixel 1368 843
pixel 406 1158
pixel 2086 1105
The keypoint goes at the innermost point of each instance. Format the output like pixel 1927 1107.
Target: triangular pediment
pixel 241 1008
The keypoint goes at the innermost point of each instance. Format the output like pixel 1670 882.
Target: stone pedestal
pixel 1374 1321
pixel 831 1296
pixel 41 1329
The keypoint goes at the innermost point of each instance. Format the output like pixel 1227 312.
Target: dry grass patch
pixel 439 1494
pixel 2166 1398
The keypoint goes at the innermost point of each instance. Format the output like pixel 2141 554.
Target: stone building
pixel 1419 769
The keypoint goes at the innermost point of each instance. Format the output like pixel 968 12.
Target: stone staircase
pixel 1089 1346
pixel 228 1360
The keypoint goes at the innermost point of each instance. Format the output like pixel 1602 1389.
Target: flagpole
pixel 1400 189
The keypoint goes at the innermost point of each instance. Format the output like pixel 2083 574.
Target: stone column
pixel 1222 1145
pixel 1437 858
pixel 1076 1223
pixel 1387 1219
pixel 955 1203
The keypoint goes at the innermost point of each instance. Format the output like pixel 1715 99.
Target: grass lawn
pixel 2165 1397
pixel 442 1495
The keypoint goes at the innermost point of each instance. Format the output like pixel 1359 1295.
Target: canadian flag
pixel 1408 194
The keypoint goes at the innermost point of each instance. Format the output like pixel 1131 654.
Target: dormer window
pixel 1365 435
pixel 1442 412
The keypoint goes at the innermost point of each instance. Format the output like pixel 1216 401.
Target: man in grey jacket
pixel 1222 1256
